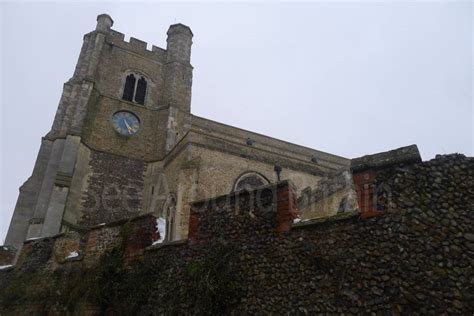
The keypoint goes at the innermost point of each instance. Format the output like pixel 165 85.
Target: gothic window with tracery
pixel 134 89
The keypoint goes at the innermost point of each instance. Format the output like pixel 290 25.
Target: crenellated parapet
pixel 178 48
pixel 117 39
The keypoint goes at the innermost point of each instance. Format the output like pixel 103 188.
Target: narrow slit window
pixel 129 88
pixel 141 91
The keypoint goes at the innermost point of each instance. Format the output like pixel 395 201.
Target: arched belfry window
pixel 135 88
pixel 250 181
pixel 140 91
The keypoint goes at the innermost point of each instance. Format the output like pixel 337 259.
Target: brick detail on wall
pixel 142 235
pixel 193 227
pixel 287 209
pixel 365 188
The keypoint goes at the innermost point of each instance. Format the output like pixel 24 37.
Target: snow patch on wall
pixel 72 254
pixel 160 229
pixel 6 267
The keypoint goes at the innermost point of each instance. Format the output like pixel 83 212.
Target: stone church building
pixel 124 143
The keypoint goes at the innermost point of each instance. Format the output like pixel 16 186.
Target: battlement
pixel 178 48
pixel 116 38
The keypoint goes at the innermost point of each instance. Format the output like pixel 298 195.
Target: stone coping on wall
pixel 82 229
pixel 406 155
pixel 346 216
pixel 165 244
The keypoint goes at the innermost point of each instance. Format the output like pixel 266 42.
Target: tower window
pixel 141 91
pixel 135 90
pixel 129 88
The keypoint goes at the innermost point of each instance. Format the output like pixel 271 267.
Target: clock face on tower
pixel 125 123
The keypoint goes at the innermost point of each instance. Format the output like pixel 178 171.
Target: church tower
pixel 124 143
pixel 124 106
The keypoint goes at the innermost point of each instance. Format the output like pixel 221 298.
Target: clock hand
pixel 128 126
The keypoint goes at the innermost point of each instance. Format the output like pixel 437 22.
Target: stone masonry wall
pixel 147 144
pixel 114 190
pixel 7 255
pixel 50 270
pixel 416 258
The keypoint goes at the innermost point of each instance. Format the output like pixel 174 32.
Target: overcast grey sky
pixel 349 78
